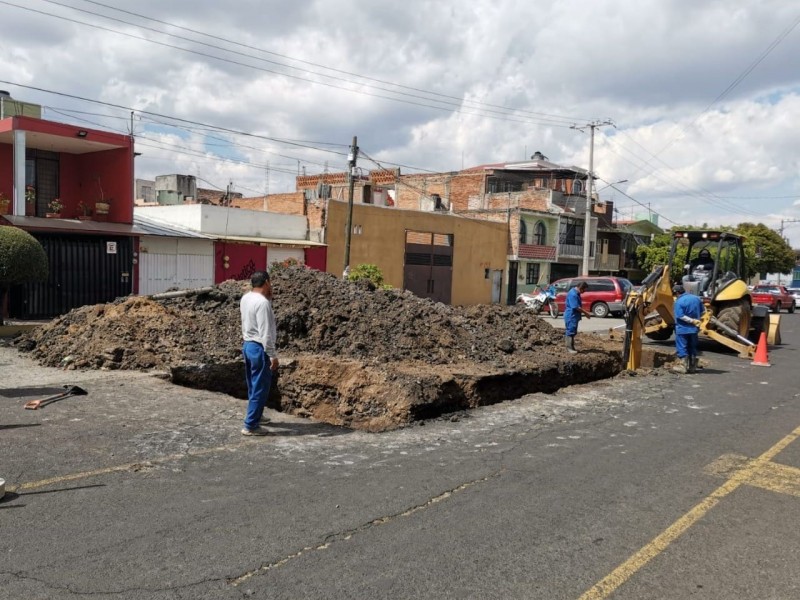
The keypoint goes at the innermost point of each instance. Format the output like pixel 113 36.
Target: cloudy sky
pixel 703 95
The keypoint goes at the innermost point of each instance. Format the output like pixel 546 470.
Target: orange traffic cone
pixel 760 359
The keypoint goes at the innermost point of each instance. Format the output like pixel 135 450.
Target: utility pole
pixel 588 217
pixel 266 185
pixel 352 157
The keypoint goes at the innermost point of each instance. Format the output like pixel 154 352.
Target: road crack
pixel 348 534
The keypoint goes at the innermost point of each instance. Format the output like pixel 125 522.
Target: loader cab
pixel 706 262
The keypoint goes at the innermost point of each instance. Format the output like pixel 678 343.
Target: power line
pixel 178 119
pixel 741 77
pixel 451 108
pixel 332 69
pixel 612 186
pixel 703 195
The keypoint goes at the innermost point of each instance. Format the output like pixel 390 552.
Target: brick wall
pixel 454 189
pixel 315 212
pixel 292 203
pixel 255 203
pixel 528 199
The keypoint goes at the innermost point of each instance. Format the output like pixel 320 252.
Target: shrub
pixel 370 273
pixel 22 259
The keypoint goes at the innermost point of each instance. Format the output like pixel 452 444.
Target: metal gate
pixel 84 270
pixel 428 266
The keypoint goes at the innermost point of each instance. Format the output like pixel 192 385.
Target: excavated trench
pixel 363 396
pixel 351 355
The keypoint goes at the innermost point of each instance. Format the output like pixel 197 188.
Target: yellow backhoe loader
pixel 709 264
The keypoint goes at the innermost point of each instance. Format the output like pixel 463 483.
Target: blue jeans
pixel 259 378
pixel 685 344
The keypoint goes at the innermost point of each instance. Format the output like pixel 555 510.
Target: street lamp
pixel 612 184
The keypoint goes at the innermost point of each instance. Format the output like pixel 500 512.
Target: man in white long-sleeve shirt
pixel 260 356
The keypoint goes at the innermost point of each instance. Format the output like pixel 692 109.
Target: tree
pixel 765 250
pixel 22 260
pixel 656 252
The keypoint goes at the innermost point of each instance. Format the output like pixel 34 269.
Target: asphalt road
pixel 651 486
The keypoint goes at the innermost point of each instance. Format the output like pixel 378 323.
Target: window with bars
pixel 532 273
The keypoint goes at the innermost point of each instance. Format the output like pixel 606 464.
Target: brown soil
pixel 351 354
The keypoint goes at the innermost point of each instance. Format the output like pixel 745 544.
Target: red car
pixel 604 296
pixel 777 297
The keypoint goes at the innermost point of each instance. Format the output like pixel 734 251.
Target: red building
pixel 72 188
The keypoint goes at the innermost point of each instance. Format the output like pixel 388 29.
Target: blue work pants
pixel 571 320
pixel 685 344
pixel 259 378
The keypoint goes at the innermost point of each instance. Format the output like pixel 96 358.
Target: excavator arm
pixel 652 301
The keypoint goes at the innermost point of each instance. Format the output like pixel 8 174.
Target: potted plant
pixel 30 200
pixel 55 207
pixel 101 207
pixel 84 211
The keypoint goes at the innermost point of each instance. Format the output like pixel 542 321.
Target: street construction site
pixel 351 354
pixel 140 488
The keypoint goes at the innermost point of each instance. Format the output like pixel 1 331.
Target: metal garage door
pixel 180 263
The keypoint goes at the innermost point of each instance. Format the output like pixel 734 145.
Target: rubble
pixel 351 354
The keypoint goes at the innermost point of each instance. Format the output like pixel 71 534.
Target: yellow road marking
pixel 31 485
pixel 772 476
pixel 606 586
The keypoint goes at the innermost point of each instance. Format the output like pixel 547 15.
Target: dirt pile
pixel 316 313
pixel 351 354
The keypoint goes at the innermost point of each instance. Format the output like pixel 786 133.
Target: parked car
pixel 776 297
pixel 604 296
pixel 795 292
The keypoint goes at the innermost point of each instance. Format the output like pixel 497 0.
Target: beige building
pixel 445 257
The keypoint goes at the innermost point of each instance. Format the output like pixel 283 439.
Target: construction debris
pixel 351 354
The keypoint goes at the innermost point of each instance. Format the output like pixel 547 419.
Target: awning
pixel 72 226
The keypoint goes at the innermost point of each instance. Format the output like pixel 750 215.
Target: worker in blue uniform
pixel 573 311
pixel 688 310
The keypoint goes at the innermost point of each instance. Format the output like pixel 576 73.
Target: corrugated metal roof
pixel 150 227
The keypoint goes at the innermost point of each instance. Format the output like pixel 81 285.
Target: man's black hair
pixel 582 285
pixel 259 278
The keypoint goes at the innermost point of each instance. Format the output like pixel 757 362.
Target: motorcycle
pixel 539 300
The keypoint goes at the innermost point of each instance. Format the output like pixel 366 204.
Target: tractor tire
pixel 736 315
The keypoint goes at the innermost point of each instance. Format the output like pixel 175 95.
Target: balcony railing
pixel 574 250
